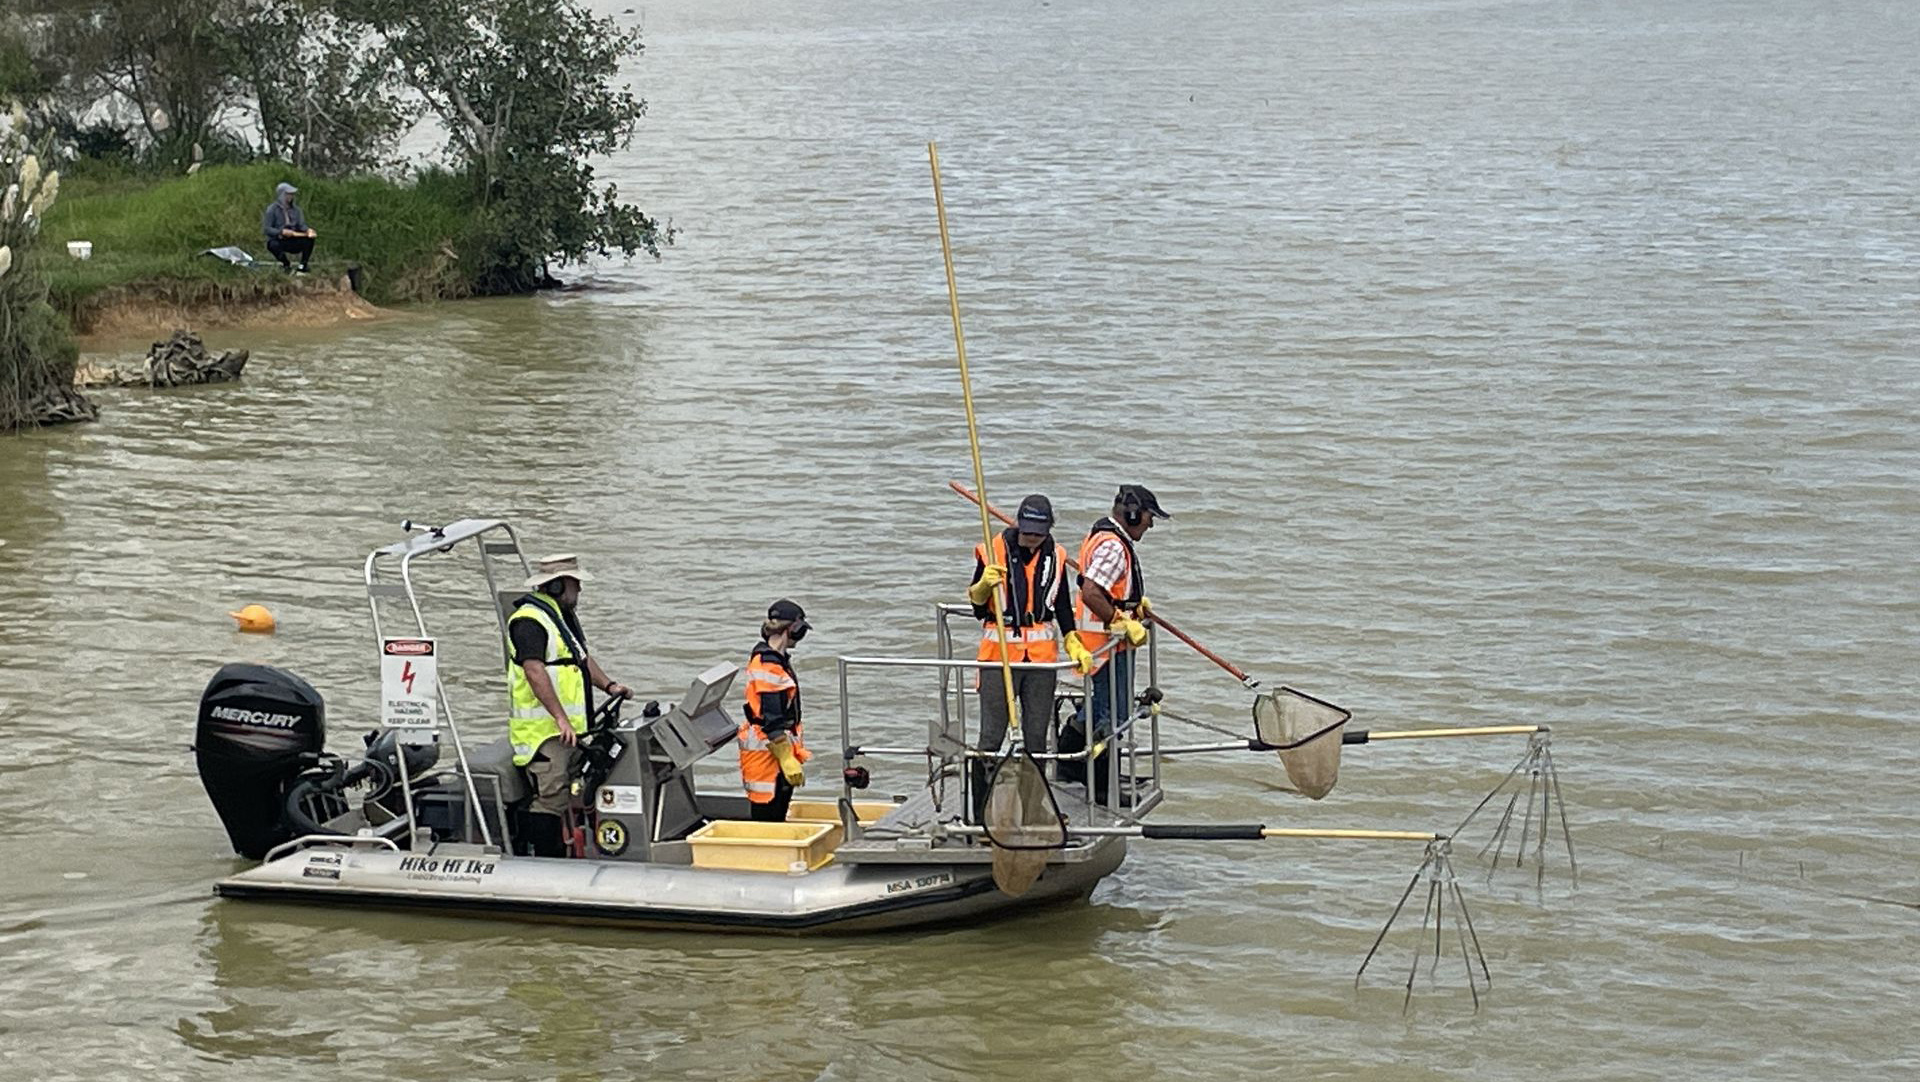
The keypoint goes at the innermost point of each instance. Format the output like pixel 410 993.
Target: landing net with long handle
pixel 979 481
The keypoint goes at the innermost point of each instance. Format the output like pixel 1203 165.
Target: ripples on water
pixel 1502 362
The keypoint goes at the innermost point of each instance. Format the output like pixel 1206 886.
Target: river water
pixel 1501 362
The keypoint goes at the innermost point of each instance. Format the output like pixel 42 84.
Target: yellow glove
pixel 789 764
pixel 1077 650
pixel 991 576
pixel 1144 608
pixel 1134 630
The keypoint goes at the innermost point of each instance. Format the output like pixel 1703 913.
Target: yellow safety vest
pixel 530 725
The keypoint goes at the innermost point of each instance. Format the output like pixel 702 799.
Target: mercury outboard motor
pixel 259 727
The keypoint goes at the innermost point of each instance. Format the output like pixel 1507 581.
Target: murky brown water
pixel 1502 362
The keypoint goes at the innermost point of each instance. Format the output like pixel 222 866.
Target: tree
pixel 322 100
pixel 159 59
pixel 527 91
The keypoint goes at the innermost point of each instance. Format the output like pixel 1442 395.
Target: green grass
pixel 148 234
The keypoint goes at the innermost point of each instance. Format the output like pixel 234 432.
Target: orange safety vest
pixel 767 671
pixel 1032 632
pixel 1093 632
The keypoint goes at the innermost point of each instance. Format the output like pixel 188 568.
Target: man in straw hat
pixel 548 681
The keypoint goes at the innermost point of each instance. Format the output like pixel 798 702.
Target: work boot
pixel 546 835
pixel 977 786
pixel 1073 741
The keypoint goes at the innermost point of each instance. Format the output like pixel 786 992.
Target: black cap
pixel 785 610
pixel 1140 498
pixel 1035 515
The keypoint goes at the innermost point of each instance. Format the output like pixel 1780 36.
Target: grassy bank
pixel 148 236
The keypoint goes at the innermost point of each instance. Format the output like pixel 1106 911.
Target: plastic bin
pixel 80 249
pixel 746 846
pixel 828 811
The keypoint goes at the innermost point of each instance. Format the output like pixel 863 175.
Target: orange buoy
pixel 254 619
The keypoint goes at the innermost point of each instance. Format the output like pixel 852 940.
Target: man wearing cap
pixel 547 681
pixel 1111 599
pixel 286 229
pixel 1027 569
pixel 771 747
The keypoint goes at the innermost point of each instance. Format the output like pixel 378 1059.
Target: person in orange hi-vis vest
pixel 1028 569
pixel 771 747
pixel 1112 597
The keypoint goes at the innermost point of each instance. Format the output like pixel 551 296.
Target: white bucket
pixel 80 249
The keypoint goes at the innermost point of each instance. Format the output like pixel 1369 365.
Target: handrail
pixel 956 747
pixel 293 844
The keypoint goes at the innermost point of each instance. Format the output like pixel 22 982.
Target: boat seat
pixel 495 758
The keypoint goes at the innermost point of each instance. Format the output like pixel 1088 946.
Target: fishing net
pixel 1023 822
pixel 1307 733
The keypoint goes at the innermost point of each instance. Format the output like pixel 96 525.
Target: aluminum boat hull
pixel 834 899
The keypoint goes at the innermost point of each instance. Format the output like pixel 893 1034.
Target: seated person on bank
pixel 286 229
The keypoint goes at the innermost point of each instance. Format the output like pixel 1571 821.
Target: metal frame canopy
pixel 425 540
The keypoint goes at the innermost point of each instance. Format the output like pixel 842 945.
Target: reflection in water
pixel 590 1002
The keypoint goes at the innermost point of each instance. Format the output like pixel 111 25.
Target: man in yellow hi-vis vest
pixel 547 680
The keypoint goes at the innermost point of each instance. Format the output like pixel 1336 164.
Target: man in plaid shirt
pixel 1111 598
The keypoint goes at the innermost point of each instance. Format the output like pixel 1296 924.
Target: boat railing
pixel 1133 770
pixel 291 844
pixel 496 542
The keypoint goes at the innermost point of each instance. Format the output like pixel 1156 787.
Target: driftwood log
pixel 61 405
pixel 176 362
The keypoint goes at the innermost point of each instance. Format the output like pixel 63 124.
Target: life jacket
pixel 1093 631
pixel 768 670
pixel 529 725
pixel 1026 602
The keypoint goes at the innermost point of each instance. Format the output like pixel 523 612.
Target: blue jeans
pixel 1119 668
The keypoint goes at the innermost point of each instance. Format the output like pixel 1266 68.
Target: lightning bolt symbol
pixel 406 677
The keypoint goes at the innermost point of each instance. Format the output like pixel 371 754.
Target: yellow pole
pixel 1433 734
pixel 973 439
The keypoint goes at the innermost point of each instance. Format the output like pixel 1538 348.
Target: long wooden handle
pixel 1237 672
pixel 973 438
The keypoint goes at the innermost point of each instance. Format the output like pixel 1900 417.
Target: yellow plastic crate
pixel 828 811
pixel 747 846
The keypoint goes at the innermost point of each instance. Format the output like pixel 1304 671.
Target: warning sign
pixel 409 688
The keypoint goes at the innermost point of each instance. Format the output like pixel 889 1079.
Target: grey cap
pixel 284 188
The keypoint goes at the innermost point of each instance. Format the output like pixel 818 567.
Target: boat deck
pixel 905 834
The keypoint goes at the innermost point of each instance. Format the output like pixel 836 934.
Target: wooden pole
pixel 973 440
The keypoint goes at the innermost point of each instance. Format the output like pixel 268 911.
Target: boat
pixel 425 818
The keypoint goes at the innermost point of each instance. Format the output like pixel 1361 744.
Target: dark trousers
pixel 775 810
pixel 1034 689
pixel 282 247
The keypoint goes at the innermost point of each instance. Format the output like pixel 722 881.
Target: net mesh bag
pixel 1307 732
pixel 1023 823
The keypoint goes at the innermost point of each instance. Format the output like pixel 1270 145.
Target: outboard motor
pixel 259 728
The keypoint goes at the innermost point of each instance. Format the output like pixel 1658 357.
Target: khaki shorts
pixel 547 772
